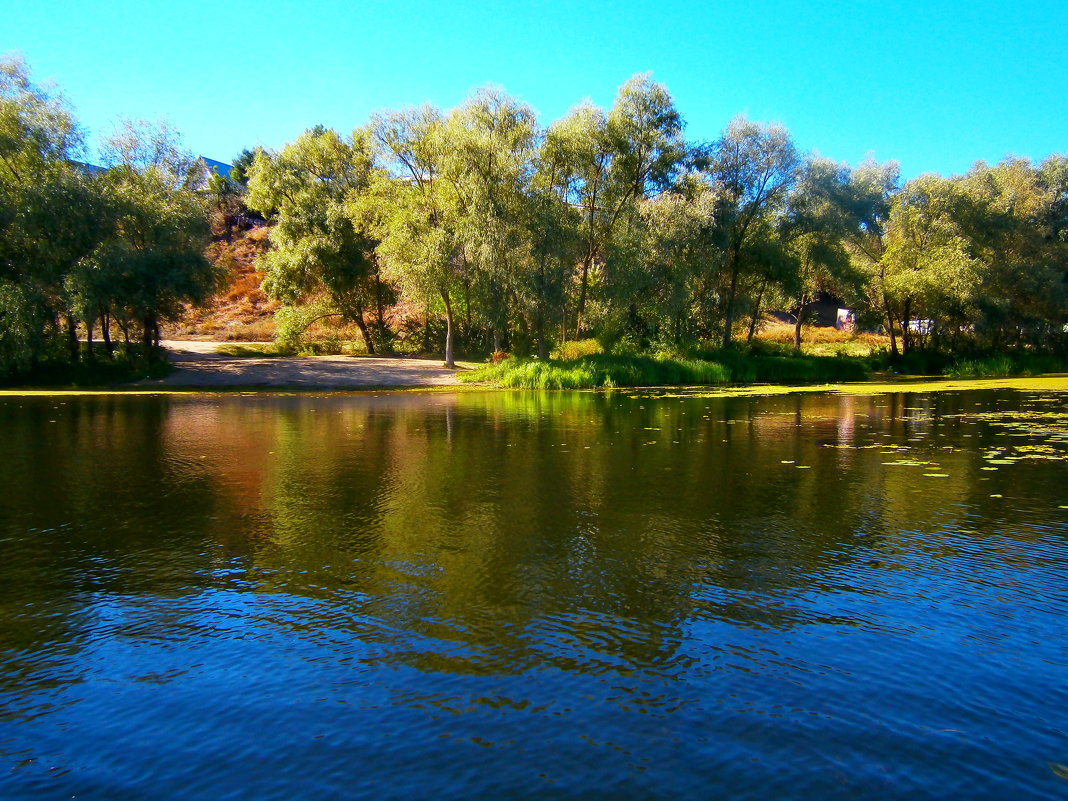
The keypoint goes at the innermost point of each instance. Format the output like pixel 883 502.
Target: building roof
pixel 218 167
pixel 86 168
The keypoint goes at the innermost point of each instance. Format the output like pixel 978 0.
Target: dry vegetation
pixel 241 312
pixel 820 340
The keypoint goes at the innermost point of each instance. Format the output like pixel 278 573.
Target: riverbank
pixel 198 367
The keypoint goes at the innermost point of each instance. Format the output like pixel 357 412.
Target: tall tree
pixel 316 246
pixel 416 212
pixel 868 200
pixel 613 161
pixel 814 232
pixel 49 217
pixel 489 163
pixel 153 262
pixel 754 167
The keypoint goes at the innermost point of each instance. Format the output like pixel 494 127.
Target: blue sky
pixel 933 85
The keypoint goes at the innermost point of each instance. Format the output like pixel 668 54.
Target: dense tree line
pixel 492 232
pixel 610 223
pixel 86 249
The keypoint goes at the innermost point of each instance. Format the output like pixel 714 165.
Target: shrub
pixel 993 367
pixel 576 349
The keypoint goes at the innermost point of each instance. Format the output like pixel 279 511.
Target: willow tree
pixel 681 259
pixel 556 243
pixel 754 167
pixel 50 217
pixel 613 161
pixel 152 264
pixel 930 271
pixel 491 140
pixel 317 249
pixel 867 200
pixel 813 231
pixel 1014 215
pixel 415 212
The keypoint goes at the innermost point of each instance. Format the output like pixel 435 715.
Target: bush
pixel 576 349
pixel 764 365
pixel 56 370
pixel 994 367
pixel 1005 364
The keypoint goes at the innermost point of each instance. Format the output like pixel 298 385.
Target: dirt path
pixel 198 365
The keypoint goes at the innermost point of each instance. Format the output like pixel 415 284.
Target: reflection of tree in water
pixel 482 533
pixel 577 529
pixel 95 506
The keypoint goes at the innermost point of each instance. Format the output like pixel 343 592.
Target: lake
pixel 492 595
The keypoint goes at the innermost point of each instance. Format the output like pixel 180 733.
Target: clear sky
pixel 934 85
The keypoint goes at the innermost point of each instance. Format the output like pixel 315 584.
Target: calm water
pixel 513 596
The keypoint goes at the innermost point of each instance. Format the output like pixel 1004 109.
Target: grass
pixel 598 370
pixel 1004 365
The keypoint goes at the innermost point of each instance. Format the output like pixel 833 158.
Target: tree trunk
pixel 580 311
pixel 105 332
pixel 799 320
pixel 728 315
pixel 364 332
pixel 543 346
pixel 148 328
pixel 890 327
pixel 906 336
pixel 756 313
pixel 72 339
pixel 380 314
pixel 89 338
pixel 449 361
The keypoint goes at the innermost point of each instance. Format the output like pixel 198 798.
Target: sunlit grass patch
pixel 599 370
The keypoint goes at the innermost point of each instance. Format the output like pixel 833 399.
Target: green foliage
pixel 20 328
pixel 1003 365
pixel 318 246
pixel 78 247
pixel 600 370
pixel 56 370
pixel 764 365
pixel 475 228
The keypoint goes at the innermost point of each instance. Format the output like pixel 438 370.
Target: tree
pixel 153 262
pixel 611 162
pixel 928 269
pixel 681 259
pixel 1013 215
pixel 867 201
pixel 416 213
pixel 491 142
pixel 315 245
pixel 49 217
pixel 754 167
pixel 814 231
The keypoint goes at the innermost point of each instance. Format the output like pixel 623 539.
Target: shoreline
pixel 1057 382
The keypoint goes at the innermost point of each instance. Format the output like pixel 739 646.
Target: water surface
pixel 560 595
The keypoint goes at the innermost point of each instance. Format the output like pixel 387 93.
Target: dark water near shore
pixel 524 596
